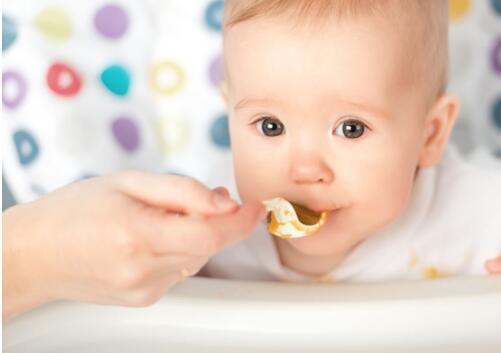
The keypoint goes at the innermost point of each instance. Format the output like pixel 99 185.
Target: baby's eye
pixel 270 126
pixel 351 129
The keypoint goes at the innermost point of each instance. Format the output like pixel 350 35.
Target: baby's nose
pixel 310 170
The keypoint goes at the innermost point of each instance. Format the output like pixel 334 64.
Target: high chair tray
pixel 213 315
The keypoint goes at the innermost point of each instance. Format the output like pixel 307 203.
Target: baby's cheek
pixel 383 196
pixel 252 175
pixel 386 197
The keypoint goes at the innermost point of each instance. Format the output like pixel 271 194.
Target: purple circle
pixel 216 72
pixel 20 82
pixel 496 56
pixel 111 21
pixel 126 133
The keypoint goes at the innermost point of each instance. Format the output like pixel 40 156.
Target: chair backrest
pixel 93 87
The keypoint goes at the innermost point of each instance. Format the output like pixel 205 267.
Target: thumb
pixel 172 192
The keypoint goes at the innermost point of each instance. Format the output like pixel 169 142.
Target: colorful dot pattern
pixel 145 103
pixel 63 80
pixel 111 21
pixel 475 41
pixel 54 24
pixel 126 133
pixel 14 88
pixel 9 32
pixel 214 15
pixel 458 9
pixel 167 77
pixel 219 132
pixel 116 79
pixel 26 147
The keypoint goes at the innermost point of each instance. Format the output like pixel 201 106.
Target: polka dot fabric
pixel 475 73
pixel 90 87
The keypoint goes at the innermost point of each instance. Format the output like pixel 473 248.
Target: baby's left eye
pixel 351 129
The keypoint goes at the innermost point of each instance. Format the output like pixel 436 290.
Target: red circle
pixel 55 76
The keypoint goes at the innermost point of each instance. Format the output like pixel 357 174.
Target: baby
pixel 341 106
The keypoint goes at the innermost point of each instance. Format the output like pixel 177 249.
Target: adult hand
pixel 123 239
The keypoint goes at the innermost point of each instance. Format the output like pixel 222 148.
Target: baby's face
pixel 325 117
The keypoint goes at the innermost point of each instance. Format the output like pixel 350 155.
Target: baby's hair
pixel 242 10
pixel 426 21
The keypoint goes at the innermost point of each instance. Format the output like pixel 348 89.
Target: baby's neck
pixel 315 266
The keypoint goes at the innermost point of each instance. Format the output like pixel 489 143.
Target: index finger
pixel 173 192
pixel 236 226
pixel 493 266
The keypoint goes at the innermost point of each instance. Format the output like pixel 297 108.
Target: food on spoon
pixel 289 220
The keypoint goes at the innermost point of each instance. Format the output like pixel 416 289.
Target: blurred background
pixel 90 87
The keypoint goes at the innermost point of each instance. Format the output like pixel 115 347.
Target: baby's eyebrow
pixel 367 108
pixel 360 106
pixel 244 103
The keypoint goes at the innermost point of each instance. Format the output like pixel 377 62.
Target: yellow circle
pixel 54 23
pixel 175 80
pixel 459 9
pixel 173 133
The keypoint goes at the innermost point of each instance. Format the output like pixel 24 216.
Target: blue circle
pixel 219 132
pixel 496 6
pixel 26 147
pixel 9 32
pixel 496 114
pixel 214 15
pixel 116 79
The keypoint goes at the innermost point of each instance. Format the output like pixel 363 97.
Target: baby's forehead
pixel 272 52
pixel 420 26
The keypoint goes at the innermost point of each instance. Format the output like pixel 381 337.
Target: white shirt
pixel 451 226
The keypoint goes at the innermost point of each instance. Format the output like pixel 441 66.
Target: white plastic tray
pixel 209 315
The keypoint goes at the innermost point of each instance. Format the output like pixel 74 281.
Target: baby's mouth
pixel 288 219
pixel 306 215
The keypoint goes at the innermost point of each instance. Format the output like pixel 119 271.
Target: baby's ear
pixel 438 127
pixel 223 90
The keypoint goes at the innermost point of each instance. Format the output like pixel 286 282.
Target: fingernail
pixel 218 191
pixel 222 202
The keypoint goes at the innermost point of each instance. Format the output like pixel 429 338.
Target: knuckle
pixel 126 243
pixel 129 277
pixel 142 298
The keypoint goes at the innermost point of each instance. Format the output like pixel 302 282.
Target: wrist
pixel 24 271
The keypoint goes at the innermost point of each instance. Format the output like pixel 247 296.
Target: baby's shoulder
pixel 459 179
pixel 468 193
pixel 462 227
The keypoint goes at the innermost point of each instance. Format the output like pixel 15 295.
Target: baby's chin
pixel 340 234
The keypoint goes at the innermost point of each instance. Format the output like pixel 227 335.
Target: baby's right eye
pixel 270 126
